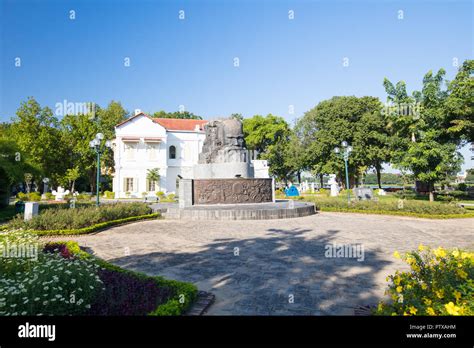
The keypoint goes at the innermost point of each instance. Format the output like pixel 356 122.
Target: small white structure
pixel 31 210
pixel 334 186
pixel 60 193
pixel 381 192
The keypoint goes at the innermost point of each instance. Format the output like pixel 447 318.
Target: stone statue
pixel 334 186
pixel 60 193
pixel 224 142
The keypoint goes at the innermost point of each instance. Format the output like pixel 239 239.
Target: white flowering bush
pixel 49 284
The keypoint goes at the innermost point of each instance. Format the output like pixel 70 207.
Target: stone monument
pixel 224 154
pixel 224 173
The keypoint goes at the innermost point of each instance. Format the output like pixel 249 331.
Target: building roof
pixel 178 124
pixel 172 124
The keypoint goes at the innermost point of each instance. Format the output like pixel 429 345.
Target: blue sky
pixel 190 62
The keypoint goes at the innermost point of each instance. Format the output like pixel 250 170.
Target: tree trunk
pixel 72 186
pixel 321 180
pixel 431 196
pixel 299 177
pixel 379 175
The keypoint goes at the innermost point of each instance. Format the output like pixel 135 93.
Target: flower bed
pixel 64 280
pixel 440 282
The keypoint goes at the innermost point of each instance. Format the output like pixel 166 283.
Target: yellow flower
pixel 427 301
pixel 452 309
pixel 396 281
pixel 410 260
pixel 405 313
pixel 396 254
pixel 424 286
pixel 399 289
pixel 455 253
pixel 430 311
pixel 439 293
pixel 457 295
pixel 461 273
pixel 380 306
pixel 440 252
pixel 413 310
pixel 394 314
pixel 464 255
pixel 421 247
pixel 409 286
pixel 415 268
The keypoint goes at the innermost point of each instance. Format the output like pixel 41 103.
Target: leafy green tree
pixel 421 143
pixel 13 167
pixel 459 105
pixel 176 114
pixel 356 120
pixel 263 131
pixel 35 131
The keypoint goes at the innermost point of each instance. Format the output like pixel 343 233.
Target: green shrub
pixel 279 192
pixel 440 282
pixel 49 196
pixel 84 197
pixel 111 195
pixel 462 187
pixel 160 194
pixel 80 217
pixel 401 206
pixel 29 197
pixel 404 194
pixel 324 192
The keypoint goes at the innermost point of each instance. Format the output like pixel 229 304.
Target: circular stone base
pixel 281 209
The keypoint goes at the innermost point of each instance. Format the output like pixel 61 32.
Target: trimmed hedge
pixel 412 208
pixel 184 293
pixel 80 217
pixel 398 213
pixel 95 228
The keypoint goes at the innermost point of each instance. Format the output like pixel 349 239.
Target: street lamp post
pixel 96 145
pixel 346 151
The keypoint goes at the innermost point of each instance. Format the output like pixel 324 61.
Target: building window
pixel 130 149
pixel 152 185
pixel 152 150
pixel 128 185
pixel 172 152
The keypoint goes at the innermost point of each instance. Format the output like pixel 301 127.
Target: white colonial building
pixel 172 146
pixel 143 143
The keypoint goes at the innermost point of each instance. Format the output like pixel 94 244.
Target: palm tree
pixel 153 175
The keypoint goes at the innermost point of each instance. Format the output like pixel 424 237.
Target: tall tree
pixel 421 142
pixel 35 131
pixel 355 120
pixel 459 105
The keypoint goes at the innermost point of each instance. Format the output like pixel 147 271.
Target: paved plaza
pixel 277 267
